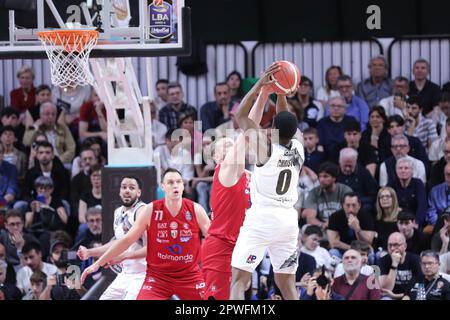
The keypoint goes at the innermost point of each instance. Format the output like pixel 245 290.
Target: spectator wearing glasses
pixel 94 232
pixel 387 211
pixel 436 287
pixel 397 268
pixel 400 148
pixel 356 107
pixel 437 171
pixel 14 238
pixel 378 85
pixel 331 127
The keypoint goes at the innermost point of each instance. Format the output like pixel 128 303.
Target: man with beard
pixel 352 284
pixel 127 284
pixel 173 226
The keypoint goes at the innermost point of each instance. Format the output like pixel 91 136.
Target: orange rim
pixel 66 38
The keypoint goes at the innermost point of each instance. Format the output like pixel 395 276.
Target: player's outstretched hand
pixel 265 78
pixel 91 269
pixel 83 253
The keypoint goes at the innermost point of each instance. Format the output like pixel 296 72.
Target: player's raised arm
pixel 119 246
pixel 242 114
pixel 257 110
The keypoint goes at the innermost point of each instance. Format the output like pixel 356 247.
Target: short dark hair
pixel 220 84
pixel 401 79
pixel 88 142
pixel 345 78
pixel 43 87
pixel 310 130
pixel 313 229
pixel 330 168
pixel 414 100
pixel 168 170
pixel 138 181
pixel 45 144
pixel 174 85
pixel 165 81
pixel 94 168
pixel 31 245
pixel 13 213
pixel 9 111
pixel 445 97
pixel 169 133
pixel 38 277
pixel 396 118
pixel 286 123
pixel 351 126
pixel 351 195
pixel 7 129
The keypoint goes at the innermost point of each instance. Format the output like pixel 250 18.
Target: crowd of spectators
pixel 374 199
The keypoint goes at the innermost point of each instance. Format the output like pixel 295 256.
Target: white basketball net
pixel 68 52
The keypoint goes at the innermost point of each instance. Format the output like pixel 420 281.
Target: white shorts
pixel 126 286
pixel 272 229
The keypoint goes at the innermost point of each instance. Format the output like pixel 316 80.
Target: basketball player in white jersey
pixel 128 283
pixel 271 222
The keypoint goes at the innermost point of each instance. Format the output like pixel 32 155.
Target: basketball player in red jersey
pixel 173 225
pixel 230 197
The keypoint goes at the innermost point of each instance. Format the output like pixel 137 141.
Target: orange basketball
pixel 287 79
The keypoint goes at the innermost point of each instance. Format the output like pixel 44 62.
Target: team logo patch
pixel 251 259
pixel 185 239
pixel 185 233
pixel 186 226
pixel 162 225
pixel 163 234
pixel 188 216
pixel 174 233
pixel 173 225
pixel 175 249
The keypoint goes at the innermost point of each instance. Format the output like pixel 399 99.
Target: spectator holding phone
pixel 58 135
pixel 320 287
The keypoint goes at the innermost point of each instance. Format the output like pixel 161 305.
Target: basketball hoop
pixel 68 51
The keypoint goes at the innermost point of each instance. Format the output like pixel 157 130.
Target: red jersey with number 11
pixel 173 243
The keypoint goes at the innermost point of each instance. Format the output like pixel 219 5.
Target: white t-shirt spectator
pixel 159 130
pixel 24 274
pixel 181 160
pixel 321 255
pixel 323 95
pixel 75 98
pixel 388 105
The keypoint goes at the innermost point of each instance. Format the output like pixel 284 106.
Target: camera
pixel 323 280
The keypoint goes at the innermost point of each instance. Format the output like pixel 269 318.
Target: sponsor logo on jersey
pixel 186 226
pixel 162 225
pixel 151 279
pixel 188 258
pixel 185 233
pixel 175 249
pixel 159 215
pixel 173 225
pixel 251 259
pixel 162 234
pixel 174 233
pixel 185 239
pixel 162 241
pixel 146 287
pixel 200 285
pixel 188 216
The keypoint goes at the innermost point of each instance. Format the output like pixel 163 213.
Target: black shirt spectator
pixel 405 271
pixel 215 113
pixel 339 223
pixel 429 95
pixel 437 173
pixel 437 289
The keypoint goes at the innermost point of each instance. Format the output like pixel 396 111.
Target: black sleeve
pixel 366 222
pixel 415 265
pixel 333 222
pixel 385 264
pixel 446 294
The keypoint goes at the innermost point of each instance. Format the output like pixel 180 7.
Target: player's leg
pixel 136 281
pixel 217 284
pixel 240 282
pixel 283 254
pixel 192 288
pixel 247 254
pixel 116 290
pixel 286 283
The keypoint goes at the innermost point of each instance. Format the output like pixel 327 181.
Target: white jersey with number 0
pixel 275 183
pixel 123 221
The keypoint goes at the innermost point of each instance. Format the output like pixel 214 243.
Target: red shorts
pixel 216 267
pixel 187 287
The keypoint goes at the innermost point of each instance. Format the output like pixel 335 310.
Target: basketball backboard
pixel 127 27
